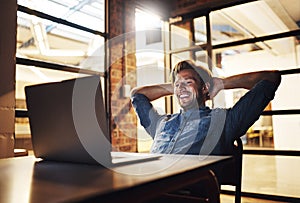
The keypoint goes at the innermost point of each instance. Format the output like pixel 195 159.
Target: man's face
pixel 186 89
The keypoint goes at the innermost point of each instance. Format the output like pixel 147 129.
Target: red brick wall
pixel 122 72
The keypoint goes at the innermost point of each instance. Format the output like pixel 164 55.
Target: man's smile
pixel 183 96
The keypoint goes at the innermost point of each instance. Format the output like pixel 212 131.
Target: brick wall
pixel 122 72
pixel 7 76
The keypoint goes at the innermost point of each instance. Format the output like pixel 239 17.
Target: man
pixel 197 129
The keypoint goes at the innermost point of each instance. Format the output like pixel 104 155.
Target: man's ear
pixel 205 88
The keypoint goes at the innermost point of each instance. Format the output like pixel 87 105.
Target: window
pixel 56 40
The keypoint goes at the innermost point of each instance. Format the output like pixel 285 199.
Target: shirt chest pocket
pixel 161 142
pixel 164 137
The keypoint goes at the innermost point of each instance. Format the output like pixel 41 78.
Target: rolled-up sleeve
pixel 148 115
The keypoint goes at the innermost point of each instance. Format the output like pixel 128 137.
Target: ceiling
pixel 166 8
pixel 292 7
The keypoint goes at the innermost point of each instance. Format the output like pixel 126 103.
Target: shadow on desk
pixel 83 179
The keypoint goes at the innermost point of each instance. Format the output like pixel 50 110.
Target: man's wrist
pixel 169 87
pixel 219 82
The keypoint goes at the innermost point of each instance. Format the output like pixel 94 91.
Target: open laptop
pixel 69 123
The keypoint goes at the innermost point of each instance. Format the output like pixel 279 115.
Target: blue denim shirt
pixel 203 130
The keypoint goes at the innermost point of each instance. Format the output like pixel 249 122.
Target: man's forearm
pixel 153 92
pixel 248 80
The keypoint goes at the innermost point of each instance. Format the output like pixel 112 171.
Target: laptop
pixel 69 123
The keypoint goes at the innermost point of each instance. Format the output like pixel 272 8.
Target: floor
pixel 230 199
pixel 271 175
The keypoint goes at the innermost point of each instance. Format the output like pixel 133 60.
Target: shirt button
pixel 173 141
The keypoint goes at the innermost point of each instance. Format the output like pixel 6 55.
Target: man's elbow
pixel 276 77
pixel 133 91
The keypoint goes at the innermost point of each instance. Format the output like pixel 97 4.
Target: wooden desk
pixel 24 179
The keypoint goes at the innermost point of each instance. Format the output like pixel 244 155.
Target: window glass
pixel 201 57
pixel 270 175
pixel 44 40
pixel 47 41
pixel 200 33
pixel 254 19
pixel 181 36
pixel 278 132
pixel 278 54
pixel 89 14
pixel 224 29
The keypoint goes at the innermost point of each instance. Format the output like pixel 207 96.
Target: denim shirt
pixel 203 130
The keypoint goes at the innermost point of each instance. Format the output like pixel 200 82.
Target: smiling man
pixel 197 129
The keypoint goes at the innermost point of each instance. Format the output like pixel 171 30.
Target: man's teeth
pixel 183 96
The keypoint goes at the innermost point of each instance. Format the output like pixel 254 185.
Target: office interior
pixel 133 43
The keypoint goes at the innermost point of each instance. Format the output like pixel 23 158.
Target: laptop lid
pixel 68 121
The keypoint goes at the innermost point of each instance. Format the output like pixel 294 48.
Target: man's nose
pixel 181 85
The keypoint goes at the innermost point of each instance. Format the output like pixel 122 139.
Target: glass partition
pixel 181 36
pixel 86 13
pixel 44 40
pixel 271 175
pixel 249 20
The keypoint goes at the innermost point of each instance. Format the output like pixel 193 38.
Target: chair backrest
pixel 232 173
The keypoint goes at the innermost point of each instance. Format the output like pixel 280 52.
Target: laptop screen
pixel 68 121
